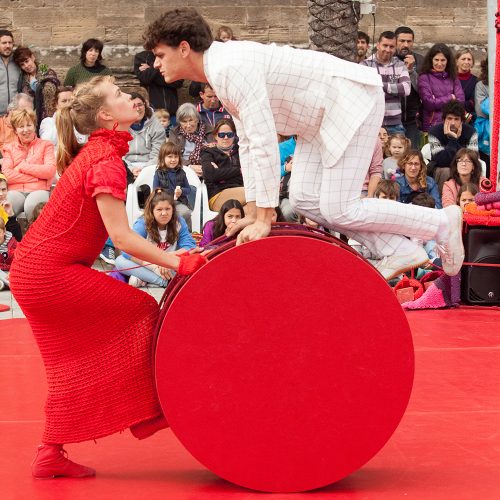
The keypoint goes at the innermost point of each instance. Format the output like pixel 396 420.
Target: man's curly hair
pixel 177 25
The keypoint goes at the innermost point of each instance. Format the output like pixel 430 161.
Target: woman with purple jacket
pixel 438 84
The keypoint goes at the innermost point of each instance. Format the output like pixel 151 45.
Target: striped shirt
pixel 397 84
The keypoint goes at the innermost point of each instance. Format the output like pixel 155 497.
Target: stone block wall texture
pixel 55 29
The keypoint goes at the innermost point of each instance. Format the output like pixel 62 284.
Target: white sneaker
pixel 452 251
pixel 136 282
pixel 394 265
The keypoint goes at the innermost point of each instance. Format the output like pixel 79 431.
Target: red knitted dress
pixel 95 333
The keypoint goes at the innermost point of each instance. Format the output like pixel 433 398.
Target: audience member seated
pixel 465 62
pixel 395 80
pixel 287 148
pixel 148 135
pixel 164 118
pixel 36 213
pixel 374 173
pixel 438 84
pixel 161 225
pixel 383 137
pixel 466 194
pixel 229 214
pixel 90 64
pixel 7 134
pixel 387 190
pixel 210 108
pixel 482 122
pixel 8 246
pixel 162 95
pixel 285 206
pixel 415 180
pixel 39 81
pixel 190 135
pixel 397 147
pixel 362 46
pixel 224 34
pixel 465 169
pixel 221 167
pixel 7 212
pixel 447 138
pixel 426 200
pixel 170 176
pixel 29 165
pixel 48 130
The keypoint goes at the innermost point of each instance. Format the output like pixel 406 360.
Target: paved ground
pixel 15 312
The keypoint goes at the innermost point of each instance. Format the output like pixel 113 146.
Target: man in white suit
pixel 335 108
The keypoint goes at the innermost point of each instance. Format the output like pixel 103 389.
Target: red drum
pixel 284 364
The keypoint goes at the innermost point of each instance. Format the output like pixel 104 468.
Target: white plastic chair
pixel 483 167
pixel 206 213
pixel 145 176
pixel 426 153
pixel 195 182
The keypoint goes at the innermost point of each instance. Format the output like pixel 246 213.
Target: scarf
pixel 198 138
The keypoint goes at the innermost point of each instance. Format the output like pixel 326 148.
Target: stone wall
pixel 56 28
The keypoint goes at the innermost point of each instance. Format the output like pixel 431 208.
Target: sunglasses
pixel 222 135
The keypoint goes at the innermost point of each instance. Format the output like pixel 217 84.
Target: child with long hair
pixel 396 148
pixel 160 225
pixel 230 213
pixel 466 194
pixel 170 176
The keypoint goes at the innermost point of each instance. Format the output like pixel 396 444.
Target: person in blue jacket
pixel 161 225
pixel 415 180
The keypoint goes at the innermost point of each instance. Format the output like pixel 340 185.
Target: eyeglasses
pixel 139 105
pixel 222 135
pixel 466 161
pixel 413 164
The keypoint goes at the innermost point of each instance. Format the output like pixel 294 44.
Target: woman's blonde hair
pixel 82 114
pixel 20 116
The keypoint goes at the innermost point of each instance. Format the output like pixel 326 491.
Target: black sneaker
pixel 108 255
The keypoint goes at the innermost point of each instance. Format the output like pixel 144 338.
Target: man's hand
pixel 144 67
pixel 259 229
pixel 409 60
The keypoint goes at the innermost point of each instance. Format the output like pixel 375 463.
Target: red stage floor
pixel 447 446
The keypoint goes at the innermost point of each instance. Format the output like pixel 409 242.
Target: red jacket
pixel 29 168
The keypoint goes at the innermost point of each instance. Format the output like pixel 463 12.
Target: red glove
pixel 189 263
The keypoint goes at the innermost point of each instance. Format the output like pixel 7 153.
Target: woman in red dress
pixel 95 333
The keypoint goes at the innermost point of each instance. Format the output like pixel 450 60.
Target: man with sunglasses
pixel 335 108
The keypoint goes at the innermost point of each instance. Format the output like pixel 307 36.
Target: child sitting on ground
pixel 7 212
pixel 466 194
pixel 387 190
pixel 426 200
pixel 8 246
pixel 170 176
pixel 160 225
pixel 230 213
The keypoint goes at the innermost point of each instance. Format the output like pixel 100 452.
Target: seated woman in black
pixel 221 167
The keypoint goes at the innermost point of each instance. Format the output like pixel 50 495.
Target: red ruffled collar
pixel 117 138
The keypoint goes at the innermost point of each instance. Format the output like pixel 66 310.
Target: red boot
pixel 147 428
pixel 51 461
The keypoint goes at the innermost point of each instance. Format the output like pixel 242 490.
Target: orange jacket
pixel 29 168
